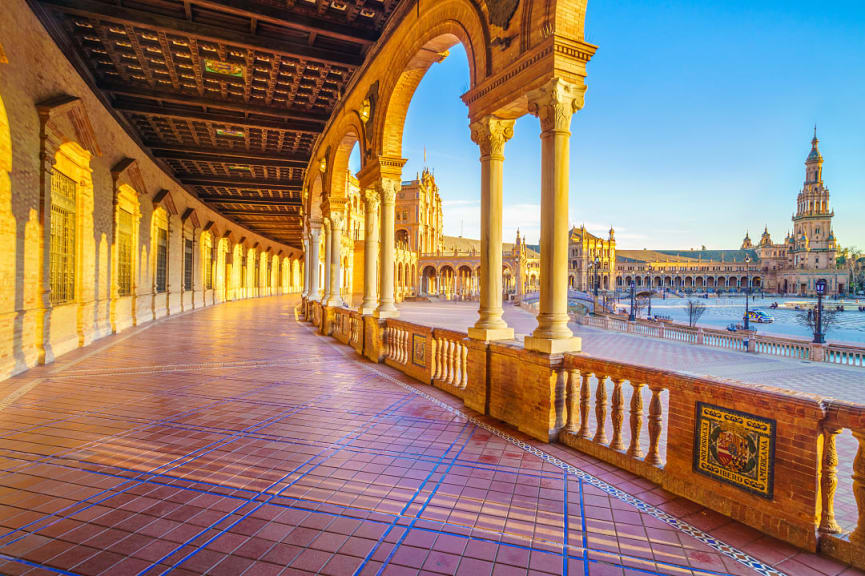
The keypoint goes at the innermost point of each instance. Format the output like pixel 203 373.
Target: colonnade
pixel 554 105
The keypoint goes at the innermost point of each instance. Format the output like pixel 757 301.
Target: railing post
pixel 654 457
pixel 464 362
pixel 585 399
pixel 601 411
pixel 573 402
pixel 858 535
pixel 634 450
pixel 829 482
pixel 617 415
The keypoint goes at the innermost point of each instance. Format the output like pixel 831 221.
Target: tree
pixel 808 318
pixel 695 312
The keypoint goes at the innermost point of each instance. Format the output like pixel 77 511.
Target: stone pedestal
pixel 373 338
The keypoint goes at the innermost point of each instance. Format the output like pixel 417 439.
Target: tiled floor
pixel 235 441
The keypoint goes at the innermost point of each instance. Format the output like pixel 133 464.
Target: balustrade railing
pixel 759 343
pixel 845 355
pixel 449 359
pixel 786 348
pixel 396 342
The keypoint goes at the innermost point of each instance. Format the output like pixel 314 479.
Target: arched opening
pixel 429 278
pixel 446 281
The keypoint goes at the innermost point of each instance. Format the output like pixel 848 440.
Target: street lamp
pixel 819 337
pixel 633 315
pixel 747 290
pixel 597 277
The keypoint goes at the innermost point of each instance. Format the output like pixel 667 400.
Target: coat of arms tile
pixel 418 350
pixel 736 448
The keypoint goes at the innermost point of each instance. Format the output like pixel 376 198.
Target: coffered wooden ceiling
pixel 229 95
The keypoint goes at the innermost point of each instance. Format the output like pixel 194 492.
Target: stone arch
pixel 337 164
pixel 11 295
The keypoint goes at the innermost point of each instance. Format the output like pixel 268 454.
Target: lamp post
pixel 747 290
pixel 597 276
pixel 633 315
pixel 819 337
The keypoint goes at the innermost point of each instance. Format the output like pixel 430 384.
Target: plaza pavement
pixel 234 440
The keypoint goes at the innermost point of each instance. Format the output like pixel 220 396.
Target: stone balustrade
pixel 649 422
pixel 739 341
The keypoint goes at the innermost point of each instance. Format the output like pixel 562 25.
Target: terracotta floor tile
pixel 227 453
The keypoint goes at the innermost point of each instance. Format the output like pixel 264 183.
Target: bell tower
pixel 814 243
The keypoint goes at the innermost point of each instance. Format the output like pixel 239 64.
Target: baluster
pixel 433 351
pixel 405 338
pixel 573 402
pixel 450 369
pixel 617 415
pixel 440 360
pixel 634 450
pixel 858 534
pixel 457 367
pixel 654 457
pixel 585 399
pixel 401 346
pixel 464 367
pixel 601 411
pixel 829 482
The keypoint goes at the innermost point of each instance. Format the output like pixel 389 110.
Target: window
pixel 161 260
pixel 187 264
pixel 62 239
pixel 124 253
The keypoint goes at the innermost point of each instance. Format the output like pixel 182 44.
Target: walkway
pixel 842 382
pixel 234 441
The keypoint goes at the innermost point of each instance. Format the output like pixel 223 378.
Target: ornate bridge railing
pixel 738 341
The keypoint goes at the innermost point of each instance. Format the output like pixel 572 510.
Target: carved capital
pixel 371 201
pixel 491 133
pixel 337 219
pixel 555 103
pixel 387 190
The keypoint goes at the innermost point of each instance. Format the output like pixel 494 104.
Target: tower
pixel 813 241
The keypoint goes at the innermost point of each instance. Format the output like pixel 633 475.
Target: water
pixel 720 312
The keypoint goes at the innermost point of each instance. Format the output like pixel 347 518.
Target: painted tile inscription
pixel 736 448
pixel 418 350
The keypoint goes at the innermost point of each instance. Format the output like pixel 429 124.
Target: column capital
pixel 491 133
pixel 380 168
pixel 371 200
pixel 555 102
pixel 315 225
pixel 387 190
pixel 337 218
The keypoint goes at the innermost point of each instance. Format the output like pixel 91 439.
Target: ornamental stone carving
pixel 388 189
pixel 490 134
pixel 371 200
pixel 555 103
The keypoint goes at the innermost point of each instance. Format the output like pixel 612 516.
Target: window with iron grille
pixel 161 260
pixel 208 270
pixel 124 253
pixel 187 264
pixel 62 239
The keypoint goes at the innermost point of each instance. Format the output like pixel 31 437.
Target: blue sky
pixel 697 122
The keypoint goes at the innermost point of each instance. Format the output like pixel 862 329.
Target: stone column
pixel 490 134
pixel 306 243
pixel 335 243
pixel 328 289
pixel 370 251
pixel 554 104
pixel 387 191
pixel 314 258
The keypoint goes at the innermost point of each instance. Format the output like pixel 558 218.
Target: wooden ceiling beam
pixel 111 12
pixel 242 183
pixel 251 201
pixel 311 127
pixel 278 113
pixel 284 17
pixel 234 154
pixel 229 159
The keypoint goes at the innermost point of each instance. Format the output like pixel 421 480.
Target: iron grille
pixel 161 260
pixel 62 239
pixel 208 270
pixel 124 253
pixel 187 264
